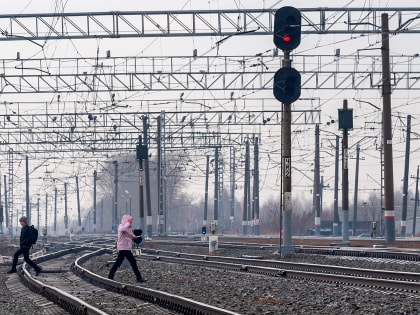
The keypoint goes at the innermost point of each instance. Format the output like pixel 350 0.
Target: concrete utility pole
pixel 115 207
pixel 405 180
pixel 1 211
pixel 66 218
pixel 141 190
pixel 246 190
pixel 46 215
pixel 317 190
pixel 256 190
pixel 206 191
pixel 28 206
pixel 416 201
pixel 389 211
pixel 232 187
pixel 161 178
pixel 6 204
pixel 336 219
pixel 95 178
pixel 38 214
pixel 216 186
pixel 356 190
pixel 55 212
pixel 79 219
pixel 149 218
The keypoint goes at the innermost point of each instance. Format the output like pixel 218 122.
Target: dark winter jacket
pixel 25 237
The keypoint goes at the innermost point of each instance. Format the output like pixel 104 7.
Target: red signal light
pixel 287 38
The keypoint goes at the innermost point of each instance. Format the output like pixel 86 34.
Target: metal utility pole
pixel 256 190
pixel 416 202
pixel 389 211
pixel 79 219
pixel 345 122
pixel 246 190
pixel 317 192
pixel 336 219
pixel 95 178
pixel 405 180
pixel 356 190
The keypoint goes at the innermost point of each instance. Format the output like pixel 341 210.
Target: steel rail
pixel 330 274
pixel 163 299
pixel 59 297
pixel 75 305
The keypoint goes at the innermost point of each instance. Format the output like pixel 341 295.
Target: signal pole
pixel 286 89
pixel 345 122
pixel 336 217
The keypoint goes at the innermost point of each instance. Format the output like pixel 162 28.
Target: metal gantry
pixel 205 73
pixel 120 24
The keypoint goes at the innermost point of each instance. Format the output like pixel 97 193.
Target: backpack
pixel 33 233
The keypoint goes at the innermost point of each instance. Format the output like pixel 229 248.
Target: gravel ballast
pixel 246 293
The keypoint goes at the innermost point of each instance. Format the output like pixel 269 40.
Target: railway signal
pixel 286 87
pixel 287 28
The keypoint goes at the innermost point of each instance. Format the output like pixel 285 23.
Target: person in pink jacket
pixel 124 244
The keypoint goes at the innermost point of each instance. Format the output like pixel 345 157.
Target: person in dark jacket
pixel 124 244
pixel 25 246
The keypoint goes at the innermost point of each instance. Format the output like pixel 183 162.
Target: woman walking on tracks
pixel 124 244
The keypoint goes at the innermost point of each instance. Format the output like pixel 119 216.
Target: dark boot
pixel 38 270
pixel 13 270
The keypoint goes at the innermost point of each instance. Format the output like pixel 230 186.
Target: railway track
pixel 167 271
pixel 378 279
pixel 65 287
pixel 404 254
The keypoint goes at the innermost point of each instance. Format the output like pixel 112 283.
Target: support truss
pixel 249 73
pixel 117 132
pixel 119 24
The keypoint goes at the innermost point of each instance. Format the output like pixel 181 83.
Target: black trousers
pixel 120 258
pixel 25 252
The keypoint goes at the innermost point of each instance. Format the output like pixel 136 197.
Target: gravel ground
pixel 12 302
pixel 257 294
pixel 249 294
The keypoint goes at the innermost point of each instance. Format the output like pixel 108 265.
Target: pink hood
pixel 125 234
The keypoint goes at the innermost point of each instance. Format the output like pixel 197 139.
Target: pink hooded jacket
pixel 125 234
